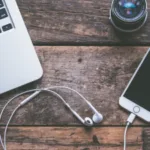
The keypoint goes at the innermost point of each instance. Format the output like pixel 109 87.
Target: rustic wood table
pixel 77 47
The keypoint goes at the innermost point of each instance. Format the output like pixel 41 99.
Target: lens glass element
pixel 129 8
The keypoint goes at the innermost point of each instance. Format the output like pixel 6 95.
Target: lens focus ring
pixel 128 15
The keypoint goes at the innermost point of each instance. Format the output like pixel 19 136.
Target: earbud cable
pixel 64 87
pixel 6 127
pixel 33 90
pixel 26 92
pixel 5 132
pixel 23 102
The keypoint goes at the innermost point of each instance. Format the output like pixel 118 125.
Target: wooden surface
pixel 76 22
pixel 99 71
pixel 73 138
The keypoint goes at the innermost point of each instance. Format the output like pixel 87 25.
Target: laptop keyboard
pixel 3 13
pixel 5 21
pixel 1 4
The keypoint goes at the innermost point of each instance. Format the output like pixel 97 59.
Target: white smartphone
pixel 136 96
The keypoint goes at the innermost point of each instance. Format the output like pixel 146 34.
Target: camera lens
pixel 128 15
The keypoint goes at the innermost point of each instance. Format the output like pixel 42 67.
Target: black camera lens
pixel 128 15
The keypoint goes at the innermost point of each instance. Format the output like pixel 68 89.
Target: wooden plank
pixel 146 139
pixel 76 22
pixel 99 73
pixel 65 138
pixel 23 146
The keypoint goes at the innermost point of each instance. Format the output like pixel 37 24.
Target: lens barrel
pixel 128 15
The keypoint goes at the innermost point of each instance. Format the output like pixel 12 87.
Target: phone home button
pixel 136 109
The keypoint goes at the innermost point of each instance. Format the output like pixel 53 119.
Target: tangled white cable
pixel 97 117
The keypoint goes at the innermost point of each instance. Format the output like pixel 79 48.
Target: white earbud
pixel 88 122
pixel 97 118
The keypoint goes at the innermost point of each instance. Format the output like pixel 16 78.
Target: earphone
pixel 97 117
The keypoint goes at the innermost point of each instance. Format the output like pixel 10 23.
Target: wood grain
pixel 99 73
pixel 76 22
pixel 57 138
pixel 23 146
pixel 146 139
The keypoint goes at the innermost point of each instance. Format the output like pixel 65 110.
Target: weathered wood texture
pixel 146 139
pixel 72 138
pixel 99 73
pixel 23 146
pixel 72 22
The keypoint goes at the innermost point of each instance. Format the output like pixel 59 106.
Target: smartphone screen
pixel 139 88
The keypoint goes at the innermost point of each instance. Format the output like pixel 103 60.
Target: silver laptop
pixel 19 63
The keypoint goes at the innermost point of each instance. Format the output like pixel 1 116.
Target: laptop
pixel 19 63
